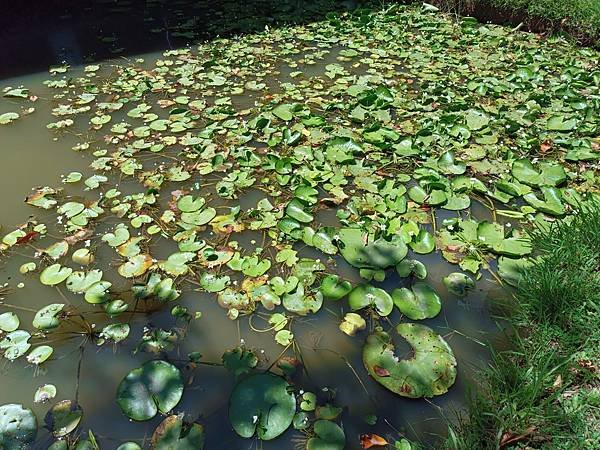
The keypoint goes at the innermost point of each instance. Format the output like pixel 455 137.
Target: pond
pixel 256 214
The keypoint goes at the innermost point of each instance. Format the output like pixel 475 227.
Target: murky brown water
pixel 30 157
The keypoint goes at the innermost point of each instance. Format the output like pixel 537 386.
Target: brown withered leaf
pixel 372 440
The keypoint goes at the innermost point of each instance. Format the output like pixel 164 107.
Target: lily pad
pixel 262 404
pixel 378 254
pixel 48 317
pixel 418 303
pixel 365 295
pixel 459 283
pixel 155 386
pixel 63 418
pixel 430 371
pixel 334 288
pixel 328 436
pixel 18 427
pixel 55 274
pixel 174 434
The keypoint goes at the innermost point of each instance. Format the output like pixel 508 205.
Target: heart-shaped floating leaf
pixel 136 266
pixel 116 332
pixel 263 404
pixel 55 274
pixel 48 318
pixel 334 288
pixel 98 293
pixel 459 283
pixel 63 418
pixel 420 302
pixel 15 344
pixel 423 242
pixel 18 427
pixel 301 303
pixel 411 267
pixel 39 354
pixel 81 281
pixel 431 370
pixel 174 434
pixel 365 295
pixel 176 264
pixel 328 436
pixel 377 254
pixel 296 209
pixel 9 321
pixel 189 204
pixel 155 386
pixel 239 360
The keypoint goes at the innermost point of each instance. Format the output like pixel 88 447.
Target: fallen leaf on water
pixel 372 440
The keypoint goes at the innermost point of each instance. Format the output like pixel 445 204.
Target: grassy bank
pixel 578 18
pixel 545 391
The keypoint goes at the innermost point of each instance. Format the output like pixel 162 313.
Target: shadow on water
pixel 35 35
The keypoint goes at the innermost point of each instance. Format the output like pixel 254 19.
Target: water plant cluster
pixel 364 141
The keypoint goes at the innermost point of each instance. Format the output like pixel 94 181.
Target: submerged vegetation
pixel 545 391
pixel 297 174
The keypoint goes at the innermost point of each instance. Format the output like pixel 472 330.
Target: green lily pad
pixel 15 344
pixel 423 242
pixel 365 295
pixel 299 302
pixel 98 293
pixel 334 288
pixel 155 386
pixel 44 393
pixel 430 371
pixel 63 418
pixel 55 274
pixel 459 283
pixel 262 404
pixel 18 427
pixel 174 434
pixel 189 204
pixel 378 254
pixel 176 264
pixel 9 321
pixel 239 360
pixel 48 318
pixel 411 267
pixel 328 436
pixel 39 354
pixel 296 210
pixel 419 302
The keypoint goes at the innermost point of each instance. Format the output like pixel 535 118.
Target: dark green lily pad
pixel 262 404
pixel 63 418
pixel 153 387
pixel 365 295
pixel 378 254
pixel 418 303
pixel 334 288
pixel 328 436
pixel 174 434
pixel 459 283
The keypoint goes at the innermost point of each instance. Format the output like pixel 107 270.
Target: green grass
pixel 579 18
pixel 545 391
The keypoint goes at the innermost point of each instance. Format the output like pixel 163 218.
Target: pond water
pixel 332 359
pixel 245 172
